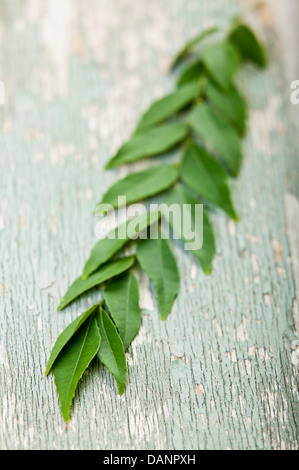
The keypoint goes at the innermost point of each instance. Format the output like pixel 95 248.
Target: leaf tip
pixel 164 316
pixel 66 416
pixel 121 389
pixel 208 271
pixel 110 164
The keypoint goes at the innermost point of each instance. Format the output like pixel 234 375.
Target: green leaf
pixel 73 360
pixel 216 133
pixel 66 335
pixel 208 250
pixel 157 260
pixel 204 175
pixel 192 72
pixel 111 352
pixel 142 185
pixel 122 298
pixel 149 143
pixel 182 196
pixel 106 272
pixel 187 49
pixel 169 105
pixel 231 106
pixel 249 46
pixel 222 62
pixel 106 248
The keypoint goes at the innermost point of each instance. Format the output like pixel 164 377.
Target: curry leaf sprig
pixel 206 115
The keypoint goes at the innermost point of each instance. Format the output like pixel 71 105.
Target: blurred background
pixel 221 373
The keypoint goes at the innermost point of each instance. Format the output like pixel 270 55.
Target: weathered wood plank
pixel 219 373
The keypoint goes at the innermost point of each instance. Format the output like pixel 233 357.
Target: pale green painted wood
pixel 220 372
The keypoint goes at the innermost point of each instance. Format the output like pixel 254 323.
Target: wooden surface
pixel 221 373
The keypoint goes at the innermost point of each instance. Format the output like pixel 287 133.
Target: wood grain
pixel 221 372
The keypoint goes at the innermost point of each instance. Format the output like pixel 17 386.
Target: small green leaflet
pixel 111 352
pixel 73 360
pixel 219 135
pixel 182 196
pixel 106 272
pixel 222 62
pixel 122 298
pixel 157 260
pixel 193 72
pixel 168 106
pixel 66 335
pixel 231 106
pixel 106 248
pixel 142 185
pixel 187 49
pixel 248 45
pixel 149 143
pixel 208 251
pixel 204 175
